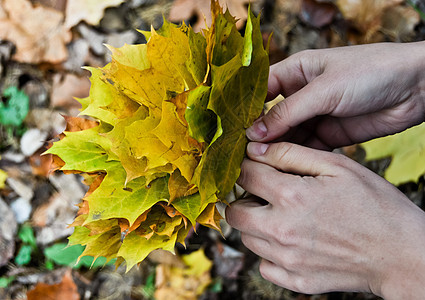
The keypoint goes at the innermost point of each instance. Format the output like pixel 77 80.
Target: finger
pixel 275 274
pixel 293 158
pixel 265 181
pixel 290 75
pixel 311 101
pixel 257 244
pixel 246 214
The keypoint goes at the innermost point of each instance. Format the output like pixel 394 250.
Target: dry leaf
pixel 366 14
pixel 317 14
pixel 66 87
pixel 90 11
pixel 41 165
pixel 177 283
pixel 66 289
pixel 37 31
pixel 399 23
pixel 185 9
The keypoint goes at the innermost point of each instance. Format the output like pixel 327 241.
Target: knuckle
pixel 277 114
pixel 245 240
pixel 340 161
pixel 280 152
pixel 291 261
pixel 291 195
pixel 301 285
pixel 306 285
pixel 265 270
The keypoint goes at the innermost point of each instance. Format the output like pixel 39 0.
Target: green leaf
pixel 114 199
pixel 407 152
pixel 82 151
pixel 24 255
pixel 14 112
pixel 190 206
pixel 26 235
pixel 203 124
pixel 135 248
pixel 6 281
pixel 177 109
pixel 237 97
pixel 62 255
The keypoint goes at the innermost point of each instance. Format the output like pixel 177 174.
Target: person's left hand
pixel 330 224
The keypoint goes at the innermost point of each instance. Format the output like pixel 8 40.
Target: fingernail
pixel 257 131
pixel 257 148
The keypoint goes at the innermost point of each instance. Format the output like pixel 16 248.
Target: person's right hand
pixel 341 96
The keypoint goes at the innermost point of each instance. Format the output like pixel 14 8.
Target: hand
pixel 341 96
pixel 330 225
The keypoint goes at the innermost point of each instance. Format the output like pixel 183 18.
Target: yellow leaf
pixel 3 177
pixel 407 152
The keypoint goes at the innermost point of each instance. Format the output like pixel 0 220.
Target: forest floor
pixel 44 44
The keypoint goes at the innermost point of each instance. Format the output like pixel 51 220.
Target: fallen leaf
pixel 399 23
pixel 37 32
pixel 317 14
pixel 407 152
pixel 186 283
pixel 66 289
pixel 365 14
pixel 3 177
pixel 90 11
pixel 66 87
pixel 185 9
pixel 16 107
pixel 41 165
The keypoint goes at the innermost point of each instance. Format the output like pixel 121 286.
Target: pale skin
pixel 331 224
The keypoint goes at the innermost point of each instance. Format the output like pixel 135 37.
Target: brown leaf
pixel 185 9
pixel 66 88
pixel 37 31
pixel 74 124
pixel 41 165
pixel 399 23
pixel 317 14
pixel 66 289
pixel 365 14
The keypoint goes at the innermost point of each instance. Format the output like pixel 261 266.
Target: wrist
pixel 403 275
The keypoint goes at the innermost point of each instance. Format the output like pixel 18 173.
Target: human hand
pixel 341 96
pixel 330 225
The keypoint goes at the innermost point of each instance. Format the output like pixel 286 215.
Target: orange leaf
pixel 66 289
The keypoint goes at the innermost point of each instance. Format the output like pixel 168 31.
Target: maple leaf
pixel 184 283
pixel 37 32
pixel 169 135
pixel 366 14
pixel 66 289
pixel 90 11
pixel 407 152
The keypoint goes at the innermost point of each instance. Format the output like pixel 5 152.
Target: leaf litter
pixel 296 25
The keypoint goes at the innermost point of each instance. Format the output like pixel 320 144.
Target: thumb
pixel 310 101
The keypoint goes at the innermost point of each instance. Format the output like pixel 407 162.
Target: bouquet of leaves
pixel 166 136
